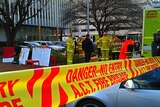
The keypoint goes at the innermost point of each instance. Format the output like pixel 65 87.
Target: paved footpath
pixel 14 67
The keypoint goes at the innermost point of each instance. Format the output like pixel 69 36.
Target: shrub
pixel 60 58
pixel 78 59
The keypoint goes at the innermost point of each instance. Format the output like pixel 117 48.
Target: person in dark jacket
pixel 87 47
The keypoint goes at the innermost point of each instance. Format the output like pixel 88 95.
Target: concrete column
pixel 61 34
pixel 39 33
pixel 53 33
pixel 57 34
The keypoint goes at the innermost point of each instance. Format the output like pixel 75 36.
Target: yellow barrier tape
pixel 56 86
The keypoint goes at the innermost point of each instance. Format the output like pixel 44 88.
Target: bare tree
pixel 106 15
pixel 15 12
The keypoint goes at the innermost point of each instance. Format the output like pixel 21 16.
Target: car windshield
pixel 60 43
pixel 149 80
pixel 150 75
pixel 34 44
pixel 49 43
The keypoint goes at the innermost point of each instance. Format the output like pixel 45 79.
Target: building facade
pixel 47 25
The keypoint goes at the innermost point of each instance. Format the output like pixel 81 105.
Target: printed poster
pixel 41 54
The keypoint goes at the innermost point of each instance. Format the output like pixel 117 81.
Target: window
pixel 149 80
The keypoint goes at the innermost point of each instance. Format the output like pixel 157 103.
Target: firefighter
pixel 80 50
pixel 99 48
pixel 116 47
pixel 105 45
pixel 137 46
pixel 70 49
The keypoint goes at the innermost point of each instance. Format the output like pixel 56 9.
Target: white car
pixel 28 44
pixel 50 45
pixel 141 91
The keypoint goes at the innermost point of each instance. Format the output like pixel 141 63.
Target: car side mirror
pixel 129 84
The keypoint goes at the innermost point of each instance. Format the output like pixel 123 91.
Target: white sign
pixel 7 59
pixel 23 55
pixel 41 54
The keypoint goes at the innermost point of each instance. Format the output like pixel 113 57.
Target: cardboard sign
pixel 23 55
pixel 41 54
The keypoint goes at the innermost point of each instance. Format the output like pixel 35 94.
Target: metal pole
pixel 88 16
